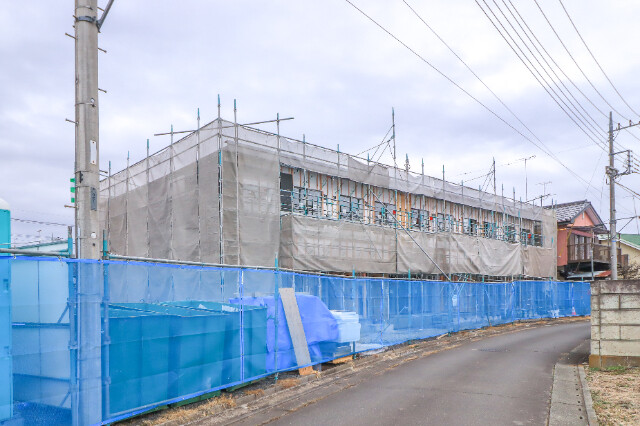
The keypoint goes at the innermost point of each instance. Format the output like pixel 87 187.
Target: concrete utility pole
pixel 612 172
pixel 87 163
pixel 86 393
pixel 87 170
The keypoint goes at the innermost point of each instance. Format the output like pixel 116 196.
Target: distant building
pixel 57 247
pixel 580 251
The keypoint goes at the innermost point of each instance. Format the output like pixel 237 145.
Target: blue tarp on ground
pixel 319 327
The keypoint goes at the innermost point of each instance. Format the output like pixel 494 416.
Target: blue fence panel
pixel 97 341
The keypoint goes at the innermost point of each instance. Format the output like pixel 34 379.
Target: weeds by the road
pixel 288 383
pixel 616 394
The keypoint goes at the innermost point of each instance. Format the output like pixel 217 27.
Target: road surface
pixel 501 380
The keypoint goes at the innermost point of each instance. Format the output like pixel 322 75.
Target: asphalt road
pixel 501 380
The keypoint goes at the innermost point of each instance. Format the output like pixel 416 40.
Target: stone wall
pixel 615 323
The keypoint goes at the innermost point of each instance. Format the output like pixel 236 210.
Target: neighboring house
pixel 580 252
pixel 630 247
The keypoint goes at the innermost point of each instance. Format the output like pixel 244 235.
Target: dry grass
pixel 183 414
pixel 616 395
pixel 288 383
pixel 256 392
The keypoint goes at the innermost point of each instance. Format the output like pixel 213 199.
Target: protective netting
pixel 230 194
pixel 87 342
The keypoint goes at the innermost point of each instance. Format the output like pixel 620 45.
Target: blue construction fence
pixel 89 342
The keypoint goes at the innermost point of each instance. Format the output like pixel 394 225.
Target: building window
pixel 471 227
pixel 286 192
pixel 419 219
pixel 307 201
pixel 537 234
pixel 510 233
pixel 384 213
pixel 350 208
pixel 487 230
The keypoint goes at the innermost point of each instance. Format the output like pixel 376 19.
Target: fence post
pixel 241 294
pixel 89 355
pixel 276 300
pixel 106 342
pixel 72 300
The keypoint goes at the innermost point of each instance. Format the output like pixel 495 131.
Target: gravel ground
pixel 616 395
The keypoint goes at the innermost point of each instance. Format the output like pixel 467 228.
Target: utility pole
pixel 87 170
pixel 87 160
pixel 86 393
pixel 612 172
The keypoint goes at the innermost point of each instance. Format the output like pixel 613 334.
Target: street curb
pixel 592 419
pixel 566 401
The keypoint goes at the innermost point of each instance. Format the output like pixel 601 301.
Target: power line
pixel 620 147
pixel 499 165
pixel 546 150
pixel 531 68
pixel 576 62
pixel 596 124
pixel 486 86
pixel 469 68
pixel 556 64
pixel 605 115
pixel 594 58
pixel 38 222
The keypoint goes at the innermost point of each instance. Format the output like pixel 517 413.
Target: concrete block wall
pixel 615 323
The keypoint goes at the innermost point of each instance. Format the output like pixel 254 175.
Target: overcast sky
pixel 338 74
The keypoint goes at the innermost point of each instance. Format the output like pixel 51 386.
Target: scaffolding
pixel 232 194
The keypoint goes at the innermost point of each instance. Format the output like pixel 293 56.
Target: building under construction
pixel 231 194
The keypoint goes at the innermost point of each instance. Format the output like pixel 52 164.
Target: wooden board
pixel 305 371
pixel 294 323
pixel 341 360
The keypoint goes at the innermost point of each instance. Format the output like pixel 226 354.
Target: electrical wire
pixel 576 62
pixel 469 68
pixel 518 21
pixel 485 85
pixel 38 222
pixel 562 70
pixel 531 68
pixel 595 60
pixel 521 19
pixel 540 145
